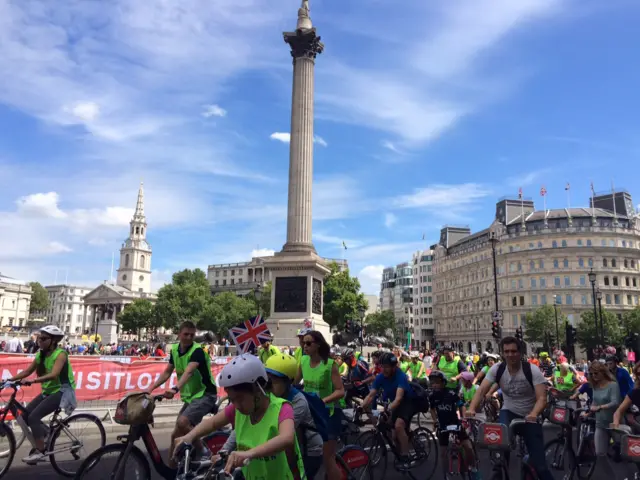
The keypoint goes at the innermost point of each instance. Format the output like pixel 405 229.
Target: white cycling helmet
pixel 244 368
pixel 415 354
pixel 52 330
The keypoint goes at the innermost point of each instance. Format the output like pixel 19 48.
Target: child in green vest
pixel 467 390
pixel 263 424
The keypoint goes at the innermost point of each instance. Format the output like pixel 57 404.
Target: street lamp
pixel 592 279
pixel 257 294
pixel 602 334
pixel 555 309
pixel 493 237
pixel 362 311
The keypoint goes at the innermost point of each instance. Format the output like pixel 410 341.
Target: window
pixel 624 243
pixel 607 299
pixel 606 281
pixel 217 282
pixel 126 260
pixel 605 263
pixel 514 320
pixel 626 263
pixel 519 267
pixel 564 243
pixel 540 263
pixel 554 244
pixel 531 246
pixel 558 299
pixel 613 263
pixel 514 301
pixel 579 243
pixel 513 284
pixel 533 283
pixel 521 283
pixel 616 299
pixel 629 302
pixel 612 243
pixel 233 281
pixel 522 301
pixel 534 299
pixel 543 299
pixel 583 299
pixel 565 263
pixel 581 262
pixel 539 244
pixel 569 300
pixel 142 261
pixel 224 282
pixel 233 272
pixel 591 262
pixel 615 281
pixel 567 281
pixel 556 264
pixel 583 280
pixel 603 243
pixel 634 281
pixel 627 281
pixel 543 282
pixel 532 266
pixel 556 281
pixel 588 243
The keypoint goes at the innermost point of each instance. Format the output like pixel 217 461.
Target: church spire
pixel 139 213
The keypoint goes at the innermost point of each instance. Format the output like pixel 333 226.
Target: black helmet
pixel 438 374
pixel 388 358
pixel 611 358
pixel 347 352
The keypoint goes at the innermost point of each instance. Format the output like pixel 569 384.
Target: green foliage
pixel 264 304
pixel 39 298
pixel 186 298
pixel 137 315
pixel 380 323
pixel 342 297
pixel 631 321
pixel 224 311
pixel 541 325
pixel 587 330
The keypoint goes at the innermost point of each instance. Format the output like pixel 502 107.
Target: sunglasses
pixel 308 344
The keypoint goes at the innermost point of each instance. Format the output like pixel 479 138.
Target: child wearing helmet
pixel 53 371
pixel 263 423
pixel 467 390
pixel 445 403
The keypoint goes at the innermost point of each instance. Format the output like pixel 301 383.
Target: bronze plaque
pixel 291 294
pixel 316 297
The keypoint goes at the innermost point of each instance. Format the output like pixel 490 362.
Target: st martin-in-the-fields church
pixel 104 303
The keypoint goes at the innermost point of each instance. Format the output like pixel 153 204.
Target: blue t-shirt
pixel 389 386
pixel 624 381
pixel 586 388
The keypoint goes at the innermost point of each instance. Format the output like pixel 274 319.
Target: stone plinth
pixel 296 295
pixel 108 331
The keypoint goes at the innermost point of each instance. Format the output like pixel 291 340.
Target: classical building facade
pixel 103 304
pixel 396 295
pixel 244 277
pixel 15 300
pixel 66 307
pixel 423 325
pixel 540 257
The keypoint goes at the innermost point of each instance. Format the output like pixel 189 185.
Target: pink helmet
pixel 467 376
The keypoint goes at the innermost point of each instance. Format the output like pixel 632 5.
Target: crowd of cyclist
pixel 275 421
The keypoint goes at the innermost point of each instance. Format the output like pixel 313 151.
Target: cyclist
pixel 467 390
pixel 625 382
pixel 320 375
pixel 525 396
pixel 547 365
pixel 281 371
pixel 416 369
pixel 395 387
pixel 196 385
pixel 451 366
pixel 343 368
pixel 266 350
pixel 565 380
pixel 632 398
pixel 444 405
pixel 263 423
pixel 299 351
pixel 53 371
pixel 491 360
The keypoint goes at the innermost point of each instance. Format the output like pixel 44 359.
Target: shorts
pixel 334 425
pixel 405 411
pixel 443 437
pixel 198 408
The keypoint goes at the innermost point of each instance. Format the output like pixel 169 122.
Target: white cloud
pixel 86 111
pixel 159 278
pixel 213 111
pixel 390 146
pixel 526 179
pixel 262 252
pixel 40 205
pixel 336 241
pixel 390 220
pixel 439 196
pixel 97 242
pixel 370 278
pixel 286 138
pixel 57 247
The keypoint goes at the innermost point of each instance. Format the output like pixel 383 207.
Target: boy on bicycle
pixel 444 412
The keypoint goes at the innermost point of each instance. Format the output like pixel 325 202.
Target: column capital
pixel 304 43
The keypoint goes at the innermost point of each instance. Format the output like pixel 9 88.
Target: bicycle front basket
pixel 630 448
pixel 560 415
pixel 494 436
pixel 135 409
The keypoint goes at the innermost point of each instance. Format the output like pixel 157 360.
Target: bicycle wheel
pixel 354 463
pixel 585 458
pixel 557 457
pixel 103 463
pixel 373 443
pixel 424 445
pixel 68 446
pixel 8 448
pixel 18 434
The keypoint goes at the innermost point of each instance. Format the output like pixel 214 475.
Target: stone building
pixel 15 300
pixel 423 325
pixel 396 295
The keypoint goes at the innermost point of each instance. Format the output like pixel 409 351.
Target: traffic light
pixel 495 329
pixel 571 335
pixel 348 327
pixel 631 341
pixel 519 334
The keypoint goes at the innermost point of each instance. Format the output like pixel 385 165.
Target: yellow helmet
pixel 282 365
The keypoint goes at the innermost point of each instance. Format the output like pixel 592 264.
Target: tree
pixel 541 326
pixel 187 297
pixel 39 298
pixel 342 297
pixel 631 321
pixel 264 304
pixel 226 310
pixel 587 337
pixel 137 315
pixel 379 323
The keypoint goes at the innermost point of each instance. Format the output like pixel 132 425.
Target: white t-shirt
pixel 428 361
pixel 519 396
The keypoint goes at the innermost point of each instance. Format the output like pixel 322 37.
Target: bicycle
pixel 456 455
pixel 629 446
pixel 379 440
pixel 203 470
pixel 124 451
pixel 56 443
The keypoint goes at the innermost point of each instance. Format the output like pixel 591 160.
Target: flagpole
pixel 568 197
pixel 613 195
pixel 593 194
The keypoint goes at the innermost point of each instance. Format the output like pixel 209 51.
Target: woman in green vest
pixel 266 444
pixel 564 379
pixel 53 371
pixel 320 375
pixel 417 369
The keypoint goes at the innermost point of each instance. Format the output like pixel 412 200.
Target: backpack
pixel 421 400
pixel 526 369
pixel 318 410
pixel 135 409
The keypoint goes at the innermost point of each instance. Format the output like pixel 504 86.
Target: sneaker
pixel 34 458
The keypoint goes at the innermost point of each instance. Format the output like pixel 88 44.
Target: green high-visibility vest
pixel 318 379
pixel 565 383
pixel 450 369
pixel 53 386
pixel 195 387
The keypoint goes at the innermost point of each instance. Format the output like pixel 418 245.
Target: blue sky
pixel 426 113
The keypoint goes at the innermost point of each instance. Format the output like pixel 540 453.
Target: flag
pixel 568 186
pixel 250 333
pixel 344 245
pixel 543 191
pixel 520 193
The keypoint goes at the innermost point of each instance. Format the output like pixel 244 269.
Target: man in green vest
pixel 266 350
pixel 451 367
pixel 196 385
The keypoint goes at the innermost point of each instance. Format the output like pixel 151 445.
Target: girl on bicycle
pixel 321 376
pixel 491 360
pixel 53 371
pixel 263 424
pixel 467 390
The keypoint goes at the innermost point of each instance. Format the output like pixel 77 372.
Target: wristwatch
pixel 176 389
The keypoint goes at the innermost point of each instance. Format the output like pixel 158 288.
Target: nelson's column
pixel 297 271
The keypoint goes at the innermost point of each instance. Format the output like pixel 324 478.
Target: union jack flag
pixel 252 332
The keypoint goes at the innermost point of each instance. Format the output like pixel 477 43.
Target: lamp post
pixel 602 333
pixel 362 311
pixel 555 309
pixel 592 279
pixel 257 294
pixel 494 241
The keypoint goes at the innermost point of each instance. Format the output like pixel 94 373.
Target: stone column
pixel 305 45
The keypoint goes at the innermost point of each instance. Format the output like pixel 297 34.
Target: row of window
pixel 566 281
pixel 539 264
pixel 609 299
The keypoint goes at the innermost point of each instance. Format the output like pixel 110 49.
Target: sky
pixel 426 113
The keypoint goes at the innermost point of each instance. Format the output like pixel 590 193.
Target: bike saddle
pixel 515 426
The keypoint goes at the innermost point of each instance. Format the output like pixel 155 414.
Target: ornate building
pixel 15 301
pixel 423 326
pixel 103 304
pixel 541 257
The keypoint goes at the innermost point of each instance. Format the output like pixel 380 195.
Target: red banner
pixel 101 379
